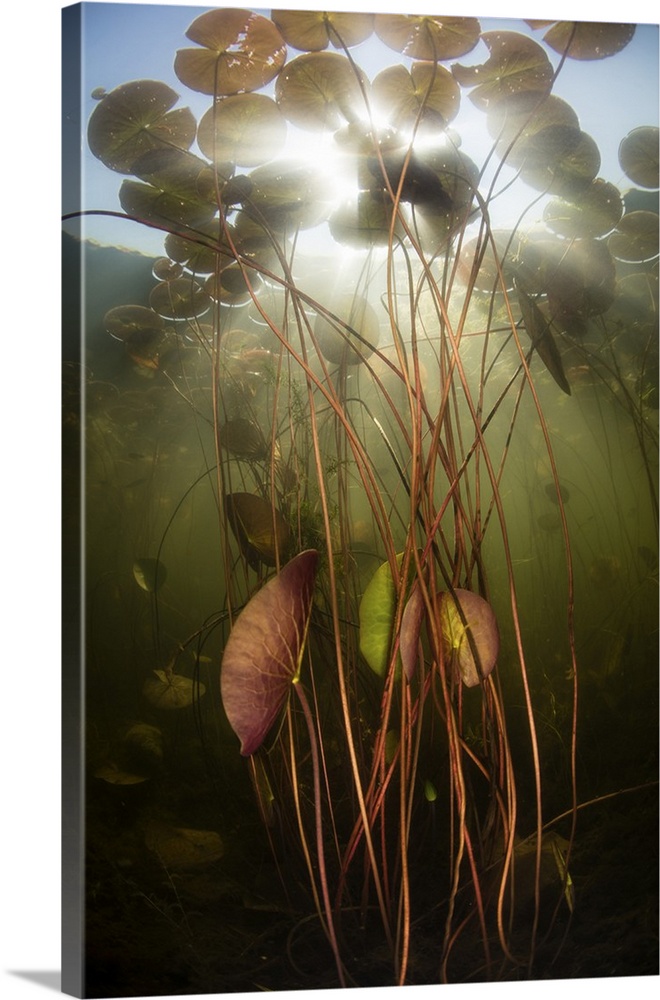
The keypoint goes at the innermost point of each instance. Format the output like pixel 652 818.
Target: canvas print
pixel 360 480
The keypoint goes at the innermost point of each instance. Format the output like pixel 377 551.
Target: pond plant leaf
pixel 260 528
pixel 180 847
pixel 127 322
pixel 314 30
pixel 588 39
pixel 264 651
pixel 514 120
pixel 635 239
pixel 353 336
pixel 364 222
pixel 517 64
pixel 411 624
pixel 135 118
pixel 426 94
pixel 595 213
pixel 430 38
pixel 182 298
pixel 170 190
pixel 321 91
pixel 474 654
pixel 243 438
pixel 247 129
pixel 150 574
pixel 171 691
pixel 639 156
pixel 377 608
pixel 539 330
pixel 242 51
pixel 560 160
pixel 287 196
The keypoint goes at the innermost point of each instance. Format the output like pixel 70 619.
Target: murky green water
pixel 434 402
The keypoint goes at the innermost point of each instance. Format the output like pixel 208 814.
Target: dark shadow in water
pixel 49 980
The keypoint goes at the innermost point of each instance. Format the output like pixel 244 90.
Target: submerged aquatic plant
pixel 375 395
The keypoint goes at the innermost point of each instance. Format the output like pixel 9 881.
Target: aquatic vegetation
pixel 398 451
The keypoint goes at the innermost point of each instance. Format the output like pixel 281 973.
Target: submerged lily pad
pixel 595 213
pixel 126 322
pixel 353 336
pixel 150 574
pixel 242 51
pixel 261 530
pixel 243 438
pixel 511 122
pixel 560 160
pixel 182 298
pixel 263 654
pixel 135 118
pixel 181 847
pixel 470 635
pixel 377 609
pixel 171 691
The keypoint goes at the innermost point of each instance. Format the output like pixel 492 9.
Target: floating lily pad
pixel 263 654
pixel 365 222
pixel 171 191
pixel 426 93
pixel 518 117
pixel 432 38
pixel 135 118
pixel 288 196
pixel 320 90
pixel 595 213
pixel 560 160
pixel 588 39
pixel 638 156
pixel 247 129
pixel 517 64
pixel 242 51
pixel 470 635
pixel 313 31
pixel 171 691
pixel 635 239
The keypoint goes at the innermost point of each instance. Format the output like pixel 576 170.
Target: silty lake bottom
pixel 366 493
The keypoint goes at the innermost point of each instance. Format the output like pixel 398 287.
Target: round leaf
pixel 638 156
pixel 247 129
pixel 320 90
pixel 314 30
pixel 377 609
pixel 588 39
pixel 243 51
pixel 517 64
pixel 264 650
pixel 470 635
pixel 432 38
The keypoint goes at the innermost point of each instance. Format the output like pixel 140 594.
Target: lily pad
pixel 171 691
pixel 595 213
pixel 517 64
pixel 377 609
pixel 638 156
pixel 247 129
pixel 264 651
pixel 260 528
pixel 470 635
pixel 242 51
pixel 424 37
pixel 182 298
pixel 351 337
pixel 135 118
pixel 150 574
pixel 320 91
pixel 181 847
pixel 426 93
pixel 126 322
pixel 314 30
pixel 588 39
pixel 635 239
